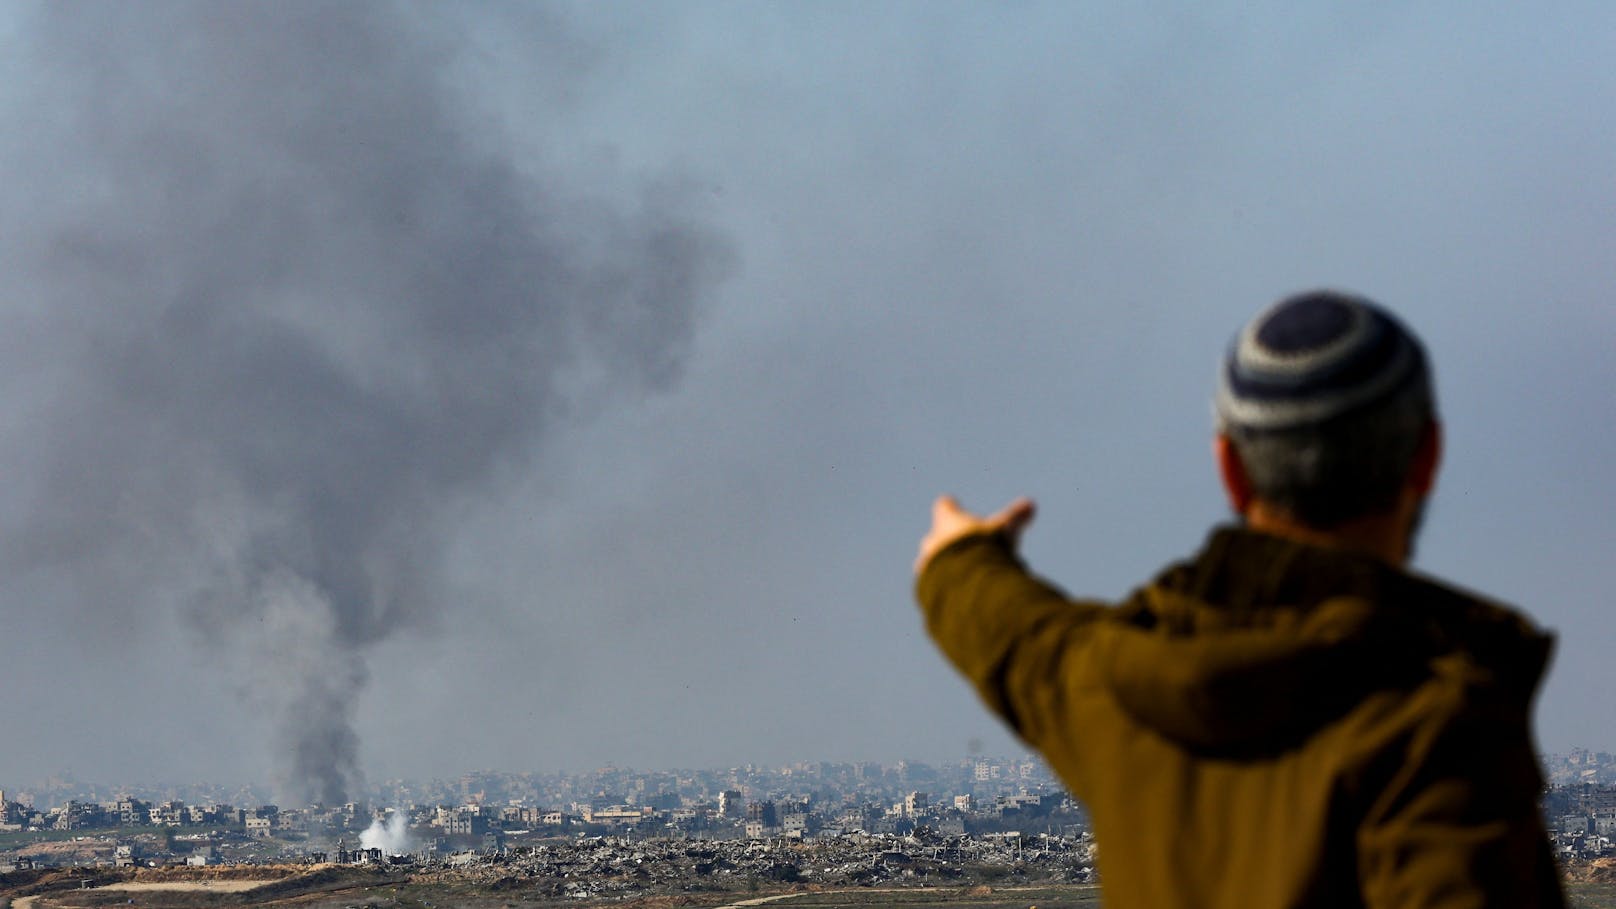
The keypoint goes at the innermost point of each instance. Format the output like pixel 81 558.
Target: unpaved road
pixel 215 886
pixel 27 902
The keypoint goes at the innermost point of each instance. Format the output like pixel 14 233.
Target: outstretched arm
pixel 1010 634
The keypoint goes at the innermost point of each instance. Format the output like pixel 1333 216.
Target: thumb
pixel 1015 517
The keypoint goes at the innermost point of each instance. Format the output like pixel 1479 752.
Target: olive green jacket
pixel 1269 724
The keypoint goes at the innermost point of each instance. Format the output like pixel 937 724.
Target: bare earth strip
pixel 27 902
pixel 758 901
pixel 944 894
pixel 215 886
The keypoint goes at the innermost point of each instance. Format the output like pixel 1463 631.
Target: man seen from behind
pixel 1289 718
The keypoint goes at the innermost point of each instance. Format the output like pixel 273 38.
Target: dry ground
pixel 332 887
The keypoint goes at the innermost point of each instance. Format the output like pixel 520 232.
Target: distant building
pixel 77 815
pixel 8 811
pixel 360 856
pixel 133 812
pixel 466 823
pixel 915 804
pixel 618 815
pixel 169 814
pixel 763 812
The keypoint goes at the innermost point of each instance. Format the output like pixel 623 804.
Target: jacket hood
pixel 1259 640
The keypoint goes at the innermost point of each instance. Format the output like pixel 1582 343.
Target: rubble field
pixel 594 871
pixel 597 872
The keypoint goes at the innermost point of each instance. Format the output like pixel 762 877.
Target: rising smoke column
pixel 280 300
pixel 390 834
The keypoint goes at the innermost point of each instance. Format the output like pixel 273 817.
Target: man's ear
pixel 1233 473
pixel 1427 458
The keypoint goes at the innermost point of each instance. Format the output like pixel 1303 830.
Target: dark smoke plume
pixel 282 300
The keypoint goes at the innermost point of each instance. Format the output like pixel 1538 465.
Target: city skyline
pixel 1560 769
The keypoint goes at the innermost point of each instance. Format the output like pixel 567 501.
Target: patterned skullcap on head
pixel 1314 357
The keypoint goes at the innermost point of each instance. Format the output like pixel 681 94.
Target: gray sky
pixel 531 388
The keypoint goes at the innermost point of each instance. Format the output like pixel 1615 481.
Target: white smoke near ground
pixel 390 834
pixel 285 303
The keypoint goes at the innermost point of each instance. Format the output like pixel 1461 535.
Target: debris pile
pixel 611 867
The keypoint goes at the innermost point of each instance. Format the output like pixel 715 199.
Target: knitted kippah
pixel 1314 357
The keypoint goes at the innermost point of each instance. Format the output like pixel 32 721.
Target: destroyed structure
pixel 804 822
pixel 616 831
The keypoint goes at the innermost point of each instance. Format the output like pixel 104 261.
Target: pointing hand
pixel 950 522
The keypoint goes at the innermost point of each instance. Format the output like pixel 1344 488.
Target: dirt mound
pixel 219 873
pixel 30 883
pixel 660 902
pixel 1601 871
pixel 66 852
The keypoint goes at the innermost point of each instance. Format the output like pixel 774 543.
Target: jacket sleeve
pixel 1013 636
pixel 1457 823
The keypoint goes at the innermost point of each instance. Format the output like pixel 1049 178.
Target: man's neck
pixel 1384 536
